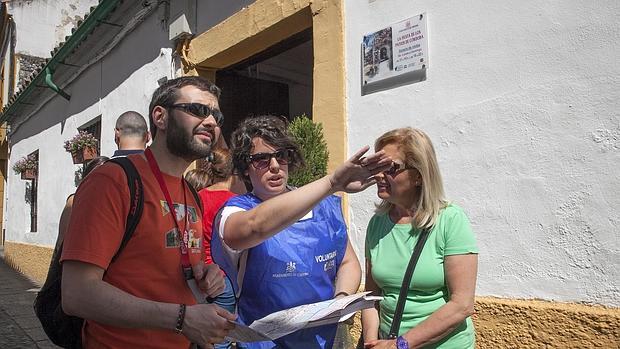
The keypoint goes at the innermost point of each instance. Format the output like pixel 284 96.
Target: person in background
pixel 130 134
pixel 198 178
pixel 219 171
pixel 63 224
pixel 440 298
pixel 282 247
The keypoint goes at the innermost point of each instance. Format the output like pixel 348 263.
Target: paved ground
pixel 19 327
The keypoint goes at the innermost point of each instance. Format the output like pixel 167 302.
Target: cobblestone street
pixel 19 327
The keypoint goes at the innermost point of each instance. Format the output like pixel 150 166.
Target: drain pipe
pixel 52 85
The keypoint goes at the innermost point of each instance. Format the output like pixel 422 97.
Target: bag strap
pixel 136 199
pixel 404 289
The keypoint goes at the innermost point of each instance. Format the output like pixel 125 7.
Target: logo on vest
pixel 329 260
pixel 290 267
pixel 290 270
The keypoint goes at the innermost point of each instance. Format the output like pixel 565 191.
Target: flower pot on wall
pixel 29 174
pixel 84 155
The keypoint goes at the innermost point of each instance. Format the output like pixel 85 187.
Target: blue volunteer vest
pixel 294 267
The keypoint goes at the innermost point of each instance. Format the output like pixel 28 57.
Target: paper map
pixel 281 323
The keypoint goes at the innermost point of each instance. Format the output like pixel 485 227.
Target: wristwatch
pixel 401 343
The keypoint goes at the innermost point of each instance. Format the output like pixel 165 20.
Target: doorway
pixel 276 81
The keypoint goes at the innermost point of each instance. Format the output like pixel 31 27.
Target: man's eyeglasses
pixel 396 168
pixel 200 110
pixel 261 160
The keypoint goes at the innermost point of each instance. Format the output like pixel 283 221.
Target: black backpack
pixel 62 329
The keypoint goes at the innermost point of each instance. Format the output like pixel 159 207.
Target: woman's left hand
pixel 381 344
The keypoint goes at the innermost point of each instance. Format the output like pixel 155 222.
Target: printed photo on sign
pixel 396 55
pixel 378 55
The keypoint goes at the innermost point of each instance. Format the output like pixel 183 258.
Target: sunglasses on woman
pixel 200 111
pixel 261 160
pixel 396 168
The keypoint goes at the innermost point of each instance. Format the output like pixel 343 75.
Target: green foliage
pixel 309 136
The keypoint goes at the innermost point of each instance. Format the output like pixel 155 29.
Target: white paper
pixel 281 323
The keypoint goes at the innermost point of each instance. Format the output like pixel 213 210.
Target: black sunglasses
pixel 200 110
pixel 396 168
pixel 261 160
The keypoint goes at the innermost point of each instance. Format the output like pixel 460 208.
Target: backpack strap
pixel 136 199
pixel 196 196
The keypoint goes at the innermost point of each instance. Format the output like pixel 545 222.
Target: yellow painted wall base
pixel 31 260
pixel 506 323
pixel 500 323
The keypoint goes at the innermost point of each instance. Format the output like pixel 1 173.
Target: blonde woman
pixel 440 297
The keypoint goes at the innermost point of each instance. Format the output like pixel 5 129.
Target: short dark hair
pixel 273 131
pixel 167 93
pixel 132 124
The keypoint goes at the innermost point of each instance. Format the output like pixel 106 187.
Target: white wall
pixel 521 102
pixel 123 80
pixel 43 24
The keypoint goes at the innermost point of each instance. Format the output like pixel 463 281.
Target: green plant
pixel 29 162
pixel 80 141
pixel 309 136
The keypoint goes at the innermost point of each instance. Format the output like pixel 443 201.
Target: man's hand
pixel 357 173
pixel 210 279
pixel 206 324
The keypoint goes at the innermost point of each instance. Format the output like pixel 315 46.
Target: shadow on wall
pixel 141 46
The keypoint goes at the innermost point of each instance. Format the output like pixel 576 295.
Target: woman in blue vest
pixel 282 247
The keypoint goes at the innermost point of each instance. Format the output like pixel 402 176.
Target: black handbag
pixel 402 296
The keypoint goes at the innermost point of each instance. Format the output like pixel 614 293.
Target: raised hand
pixel 357 173
pixel 206 324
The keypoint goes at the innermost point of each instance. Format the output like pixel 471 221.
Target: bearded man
pixel 150 294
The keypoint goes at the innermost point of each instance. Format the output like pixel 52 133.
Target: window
pixel 94 128
pixel 31 197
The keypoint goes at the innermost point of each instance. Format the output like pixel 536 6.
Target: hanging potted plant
pixel 27 166
pixel 83 147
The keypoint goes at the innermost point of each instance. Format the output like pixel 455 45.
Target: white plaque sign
pixel 396 55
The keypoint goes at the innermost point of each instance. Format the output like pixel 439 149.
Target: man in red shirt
pixel 142 298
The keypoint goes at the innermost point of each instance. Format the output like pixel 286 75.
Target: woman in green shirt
pixel 440 299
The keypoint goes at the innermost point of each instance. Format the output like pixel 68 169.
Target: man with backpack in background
pixel 130 134
pixel 143 291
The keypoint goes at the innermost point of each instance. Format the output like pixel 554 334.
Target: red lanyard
pixel 185 264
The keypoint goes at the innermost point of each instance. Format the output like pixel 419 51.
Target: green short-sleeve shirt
pixel 389 247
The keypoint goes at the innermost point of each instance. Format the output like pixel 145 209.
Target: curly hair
pixel 273 131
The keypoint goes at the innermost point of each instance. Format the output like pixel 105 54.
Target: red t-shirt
pixel 212 201
pixel 150 265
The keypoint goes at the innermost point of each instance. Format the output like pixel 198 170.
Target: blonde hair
pixel 418 153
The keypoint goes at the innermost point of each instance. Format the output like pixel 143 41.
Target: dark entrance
pixel 276 81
